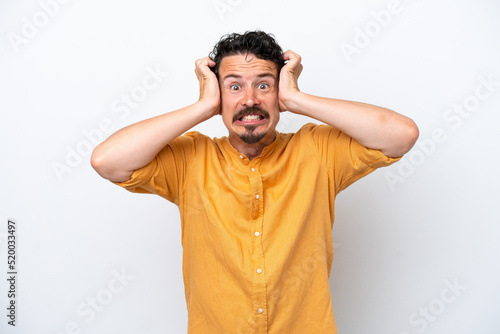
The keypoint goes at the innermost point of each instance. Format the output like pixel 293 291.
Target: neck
pixel 251 150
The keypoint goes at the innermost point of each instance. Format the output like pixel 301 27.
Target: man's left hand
pixel 288 87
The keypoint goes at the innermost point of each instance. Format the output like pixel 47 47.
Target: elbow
pixel 107 168
pixel 405 139
pixel 97 161
pixel 411 135
pixel 408 137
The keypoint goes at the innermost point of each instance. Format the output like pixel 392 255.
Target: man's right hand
pixel 209 86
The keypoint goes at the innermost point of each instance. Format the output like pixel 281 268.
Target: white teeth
pixel 250 118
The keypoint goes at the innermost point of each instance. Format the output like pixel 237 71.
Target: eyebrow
pixel 261 75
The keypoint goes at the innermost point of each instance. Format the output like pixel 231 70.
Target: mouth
pixel 251 117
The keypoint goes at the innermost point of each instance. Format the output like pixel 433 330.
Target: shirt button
pixel 253 169
pixel 260 310
pixel 257 234
pixel 241 156
pixel 257 196
pixel 259 270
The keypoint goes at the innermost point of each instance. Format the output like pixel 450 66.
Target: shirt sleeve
pixel 347 160
pixel 165 174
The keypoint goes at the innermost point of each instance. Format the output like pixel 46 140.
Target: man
pixel 257 206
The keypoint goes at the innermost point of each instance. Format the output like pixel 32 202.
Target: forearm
pixel 372 126
pixel 136 145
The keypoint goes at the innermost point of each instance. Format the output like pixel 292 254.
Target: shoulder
pixel 193 135
pixel 317 131
pixel 191 138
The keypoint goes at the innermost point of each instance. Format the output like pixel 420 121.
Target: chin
pixel 252 137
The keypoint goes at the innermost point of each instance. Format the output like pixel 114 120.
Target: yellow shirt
pixel 257 235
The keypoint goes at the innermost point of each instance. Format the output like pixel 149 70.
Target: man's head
pixel 248 67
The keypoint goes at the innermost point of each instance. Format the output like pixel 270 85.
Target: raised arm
pixel 136 145
pixel 373 127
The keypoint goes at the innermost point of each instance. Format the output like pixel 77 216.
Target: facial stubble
pixel 249 136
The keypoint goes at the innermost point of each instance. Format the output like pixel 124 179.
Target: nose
pixel 250 98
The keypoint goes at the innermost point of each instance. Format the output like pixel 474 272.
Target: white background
pixel 402 235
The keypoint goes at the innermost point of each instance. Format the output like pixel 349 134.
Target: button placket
pixel 258 256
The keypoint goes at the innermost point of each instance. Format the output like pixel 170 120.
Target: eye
pixel 235 87
pixel 263 86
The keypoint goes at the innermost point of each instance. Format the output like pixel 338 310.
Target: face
pixel 249 98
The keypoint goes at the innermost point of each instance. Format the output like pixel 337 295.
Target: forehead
pixel 246 65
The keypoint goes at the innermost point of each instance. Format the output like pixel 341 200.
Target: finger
pixel 291 56
pixel 205 62
pixel 202 66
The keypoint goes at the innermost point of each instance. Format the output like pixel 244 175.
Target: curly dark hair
pixel 259 43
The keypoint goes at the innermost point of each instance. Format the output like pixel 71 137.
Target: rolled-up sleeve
pixel 347 160
pixel 165 174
